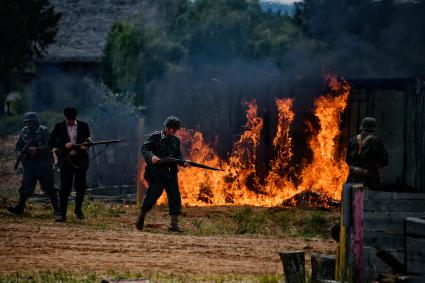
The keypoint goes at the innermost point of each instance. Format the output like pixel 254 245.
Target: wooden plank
pixel 322 267
pixel 378 239
pixel 402 205
pixel 415 267
pixel 389 259
pixel 391 222
pixel 415 226
pixel 344 247
pixel 374 265
pixel 358 210
pixel 415 249
pixel 378 195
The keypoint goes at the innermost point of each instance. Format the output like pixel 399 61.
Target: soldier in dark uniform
pixel 68 138
pixel 162 144
pixel 366 156
pixel 37 164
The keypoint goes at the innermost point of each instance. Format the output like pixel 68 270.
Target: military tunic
pixel 366 151
pixel 161 176
pixel 38 167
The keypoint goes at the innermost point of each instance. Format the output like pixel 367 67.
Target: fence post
pixel 293 266
pixel 140 186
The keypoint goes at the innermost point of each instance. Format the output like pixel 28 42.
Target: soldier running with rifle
pixel 34 154
pixel 162 154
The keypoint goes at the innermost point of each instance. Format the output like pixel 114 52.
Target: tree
pixel 185 36
pixel 27 28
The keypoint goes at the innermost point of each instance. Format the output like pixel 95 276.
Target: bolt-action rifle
pixel 21 155
pixel 90 143
pixel 167 160
pixel 57 153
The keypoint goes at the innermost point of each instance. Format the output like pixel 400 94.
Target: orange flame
pixel 239 183
pixel 327 170
pixel 279 186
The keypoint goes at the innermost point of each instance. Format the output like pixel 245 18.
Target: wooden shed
pixel 381 232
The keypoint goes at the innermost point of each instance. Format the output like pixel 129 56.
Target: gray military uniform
pixel 37 167
pixel 366 155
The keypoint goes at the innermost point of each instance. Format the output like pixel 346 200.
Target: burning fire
pixel 327 170
pixel 240 184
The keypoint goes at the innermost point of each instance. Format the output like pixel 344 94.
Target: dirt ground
pixel 34 243
pixel 9 180
pixel 48 246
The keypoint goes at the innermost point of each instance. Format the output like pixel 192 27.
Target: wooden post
pixel 140 187
pixel 343 250
pixel 358 204
pixel 322 267
pixel 293 266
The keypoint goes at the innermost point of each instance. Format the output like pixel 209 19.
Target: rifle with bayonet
pixel 21 155
pixel 167 160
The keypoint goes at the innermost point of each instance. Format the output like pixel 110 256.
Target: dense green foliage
pixel 350 37
pixel 28 27
pixel 183 33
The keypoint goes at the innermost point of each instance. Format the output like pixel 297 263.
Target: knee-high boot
pixel 140 220
pixel 18 209
pixel 174 227
pixel 55 205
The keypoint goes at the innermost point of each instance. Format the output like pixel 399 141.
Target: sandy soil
pixel 49 246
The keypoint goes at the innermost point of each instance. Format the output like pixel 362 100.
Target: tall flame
pixel 279 186
pixel 327 170
pixel 239 184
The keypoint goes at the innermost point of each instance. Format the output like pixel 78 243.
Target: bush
pixel 10 125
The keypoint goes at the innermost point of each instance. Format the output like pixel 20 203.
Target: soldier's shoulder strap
pixel 361 142
pixel 44 128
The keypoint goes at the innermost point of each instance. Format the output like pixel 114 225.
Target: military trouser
pixel 155 189
pixel 70 175
pixel 42 173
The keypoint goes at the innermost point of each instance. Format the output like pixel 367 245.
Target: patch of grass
pixel 271 278
pixel 49 276
pixel 205 228
pixel 97 209
pixel 113 275
pixel 199 221
pixel 247 221
pixel 315 225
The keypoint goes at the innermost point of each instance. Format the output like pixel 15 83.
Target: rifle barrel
pixel 101 142
pixel 192 163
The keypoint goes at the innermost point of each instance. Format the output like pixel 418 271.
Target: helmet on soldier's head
pixel 31 116
pixel 172 123
pixel 31 120
pixel 368 125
